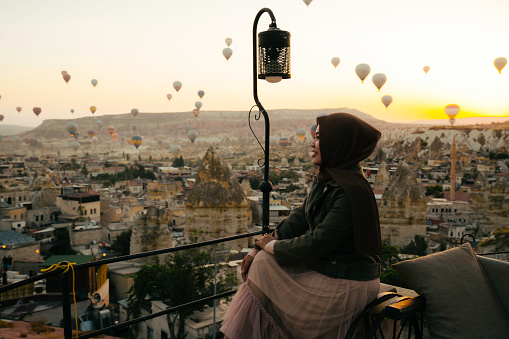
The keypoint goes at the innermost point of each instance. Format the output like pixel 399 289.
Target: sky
pixel 137 49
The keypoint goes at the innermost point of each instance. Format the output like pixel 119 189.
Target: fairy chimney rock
pixel 216 205
pixel 403 208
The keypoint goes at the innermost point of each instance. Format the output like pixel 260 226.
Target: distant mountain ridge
pixel 283 122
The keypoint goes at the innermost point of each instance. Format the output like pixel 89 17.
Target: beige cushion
pixel 497 272
pixel 460 302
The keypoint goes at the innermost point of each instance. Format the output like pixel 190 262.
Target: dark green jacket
pixel 320 234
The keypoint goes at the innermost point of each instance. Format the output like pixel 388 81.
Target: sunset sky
pixel 137 49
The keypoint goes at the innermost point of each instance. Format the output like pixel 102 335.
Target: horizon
pixel 137 51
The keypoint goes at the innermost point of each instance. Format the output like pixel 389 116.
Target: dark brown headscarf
pixel 345 140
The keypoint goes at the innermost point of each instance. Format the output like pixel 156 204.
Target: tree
pixel 186 276
pixel 62 242
pixel 435 190
pixel 84 170
pixel 127 157
pixel 122 243
pixel 418 246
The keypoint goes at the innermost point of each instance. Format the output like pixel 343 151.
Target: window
pixel 42 217
pixel 15 217
pixel 164 335
pixel 19 198
pixel 150 333
pixel 95 211
pixel 36 218
pixel 21 216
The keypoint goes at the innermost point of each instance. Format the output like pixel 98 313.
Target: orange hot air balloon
pixel 37 110
pixel 114 136
pixel 18 109
pixel 129 141
pixel 66 77
pixel 196 112
pixel 93 109
pixel 301 132
pixel 111 130
pixel 137 140
pixel 91 134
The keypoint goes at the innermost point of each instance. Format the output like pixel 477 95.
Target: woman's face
pixel 315 148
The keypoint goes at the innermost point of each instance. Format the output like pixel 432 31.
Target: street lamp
pixel 215 284
pixel 273 65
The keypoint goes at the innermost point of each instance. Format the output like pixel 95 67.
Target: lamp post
pixel 215 285
pixel 273 54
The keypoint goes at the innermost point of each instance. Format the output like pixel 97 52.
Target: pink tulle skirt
pixel 294 302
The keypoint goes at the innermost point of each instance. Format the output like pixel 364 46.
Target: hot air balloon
pixel 312 130
pixel 114 136
pixel 227 53
pixel 192 135
pixel 196 112
pixel 63 72
pixel 66 77
pixel 300 132
pixel 452 111
pixel 228 41
pixel 137 140
pixel 169 96
pixel 175 150
pixel 335 62
pixel 129 141
pixel 201 94
pixel 177 85
pixel 386 100
pixel 133 126
pixel 75 145
pixel 379 80
pixel 122 136
pixel 425 69
pixel 93 109
pixel 273 141
pixel 94 82
pixel 72 110
pixel 307 2
pixel 500 64
pixel 159 142
pixel 187 127
pixel 111 129
pixel 94 139
pixel 198 104
pixel 284 143
pixel 134 112
pixel 91 134
pixel 1 117
pixel 76 135
pixel 18 109
pixel 71 127
pixel 37 110
pixel 362 71
pixel 99 122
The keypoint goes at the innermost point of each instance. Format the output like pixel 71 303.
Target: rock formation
pixel 216 205
pixel 403 208
pixel 383 177
pixel 151 232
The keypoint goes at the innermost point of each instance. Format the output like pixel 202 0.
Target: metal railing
pixel 66 290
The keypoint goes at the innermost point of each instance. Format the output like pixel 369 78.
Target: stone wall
pixel 86 237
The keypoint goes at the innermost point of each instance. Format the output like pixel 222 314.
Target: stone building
pixel 403 208
pixel 217 205
pixel 151 232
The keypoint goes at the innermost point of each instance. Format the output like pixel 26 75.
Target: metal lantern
pixel 274 54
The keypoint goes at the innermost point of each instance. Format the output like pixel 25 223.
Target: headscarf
pixel 345 140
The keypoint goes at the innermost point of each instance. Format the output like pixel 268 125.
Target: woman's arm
pixel 295 224
pixel 325 238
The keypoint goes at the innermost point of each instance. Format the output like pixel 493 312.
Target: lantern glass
pixel 274 55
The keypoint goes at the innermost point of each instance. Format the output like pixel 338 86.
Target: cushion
pixel 460 302
pixel 497 272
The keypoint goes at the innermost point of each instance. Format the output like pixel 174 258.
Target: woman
pixel 320 269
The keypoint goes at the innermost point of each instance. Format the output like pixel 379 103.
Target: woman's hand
pixel 244 266
pixel 266 239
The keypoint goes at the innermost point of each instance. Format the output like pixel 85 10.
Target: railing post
pixel 66 306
